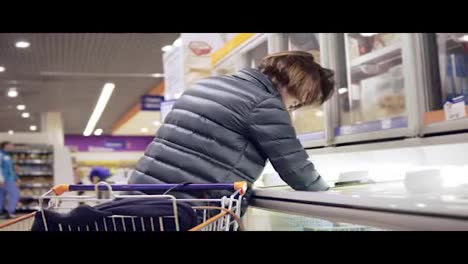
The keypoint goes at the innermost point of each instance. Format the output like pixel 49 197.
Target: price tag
pixel 386 123
pixel 455 108
pixel 346 130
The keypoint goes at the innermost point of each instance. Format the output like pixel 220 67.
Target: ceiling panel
pixel 66 72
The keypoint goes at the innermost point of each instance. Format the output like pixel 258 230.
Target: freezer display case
pixel 391 206
pixel 446 93
pixel 309 121
pixel 260 219
pixel 374 97
pixel 256 54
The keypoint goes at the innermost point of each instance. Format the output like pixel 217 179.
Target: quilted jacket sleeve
pixel 271 129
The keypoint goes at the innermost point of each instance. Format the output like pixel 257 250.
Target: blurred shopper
pixel 8 189
pixel 99 174
pixel 224 128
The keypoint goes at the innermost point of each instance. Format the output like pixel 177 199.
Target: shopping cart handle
pixel 237 186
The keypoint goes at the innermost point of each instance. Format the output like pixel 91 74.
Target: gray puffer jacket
pixel 223 129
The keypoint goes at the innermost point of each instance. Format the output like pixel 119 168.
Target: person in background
pixel 224 128
pixel 8 188
pixel 99 174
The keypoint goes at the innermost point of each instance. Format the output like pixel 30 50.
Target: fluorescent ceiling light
pixel 157 75
pixel 156 123
pixel 22 44
pixel 464 38
pixel 25 115
pixel 99 108
pixel 144 130
pixel 319 113
pixel 33 128
pixel 21 107
pixel 368 34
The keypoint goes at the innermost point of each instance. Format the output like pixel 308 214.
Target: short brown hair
pixel 298 72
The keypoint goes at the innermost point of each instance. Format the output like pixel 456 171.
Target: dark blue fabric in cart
pixel 98 218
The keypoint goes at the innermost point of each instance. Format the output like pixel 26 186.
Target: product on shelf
pixel 369 43
pixel 382 96
pixel 34 166
pixel 307 119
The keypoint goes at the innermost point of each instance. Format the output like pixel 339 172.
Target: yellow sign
pixel 229 46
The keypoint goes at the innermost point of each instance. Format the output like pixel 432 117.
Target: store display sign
pixel 107 143
pixel 455 108
pixel 115 144
pixel 397 122
pixel 151 102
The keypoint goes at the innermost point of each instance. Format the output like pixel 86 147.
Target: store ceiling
pixel 65 72
pixel 144 123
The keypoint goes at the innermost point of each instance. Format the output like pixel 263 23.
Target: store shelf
pixel 35 185
pixel 31 151
pixel 377 56
pixel 34 174
pixel 33 162
pixel 28 210
pixel 31 198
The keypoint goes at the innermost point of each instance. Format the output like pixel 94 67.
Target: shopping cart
pixel 221 214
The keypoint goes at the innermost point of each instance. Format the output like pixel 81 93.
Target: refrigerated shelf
pixel 377 56
pixel 34 161
pixel 389 206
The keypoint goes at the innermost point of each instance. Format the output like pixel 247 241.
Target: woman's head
pixel 299 79
pixel 6 146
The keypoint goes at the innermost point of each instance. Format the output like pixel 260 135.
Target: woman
pixel 224 128
pixel 8 187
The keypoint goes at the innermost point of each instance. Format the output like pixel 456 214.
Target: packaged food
pixel 382 96
pixel 389 39
pixel 200 48
pixel 353 48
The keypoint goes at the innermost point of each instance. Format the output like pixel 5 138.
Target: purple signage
pixel 107 143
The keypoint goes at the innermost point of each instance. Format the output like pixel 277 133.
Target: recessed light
pixel 21 107
pixel 10 132
pixel 166 48
pixel 2 69
pixel 33 128
pixel 98 132
pixel 22 44
pixel 319 113
pixel 144 130
pixel 156 123
pixel 25 115
pixel 12 92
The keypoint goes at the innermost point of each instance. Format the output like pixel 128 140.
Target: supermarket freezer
pixel 373 206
